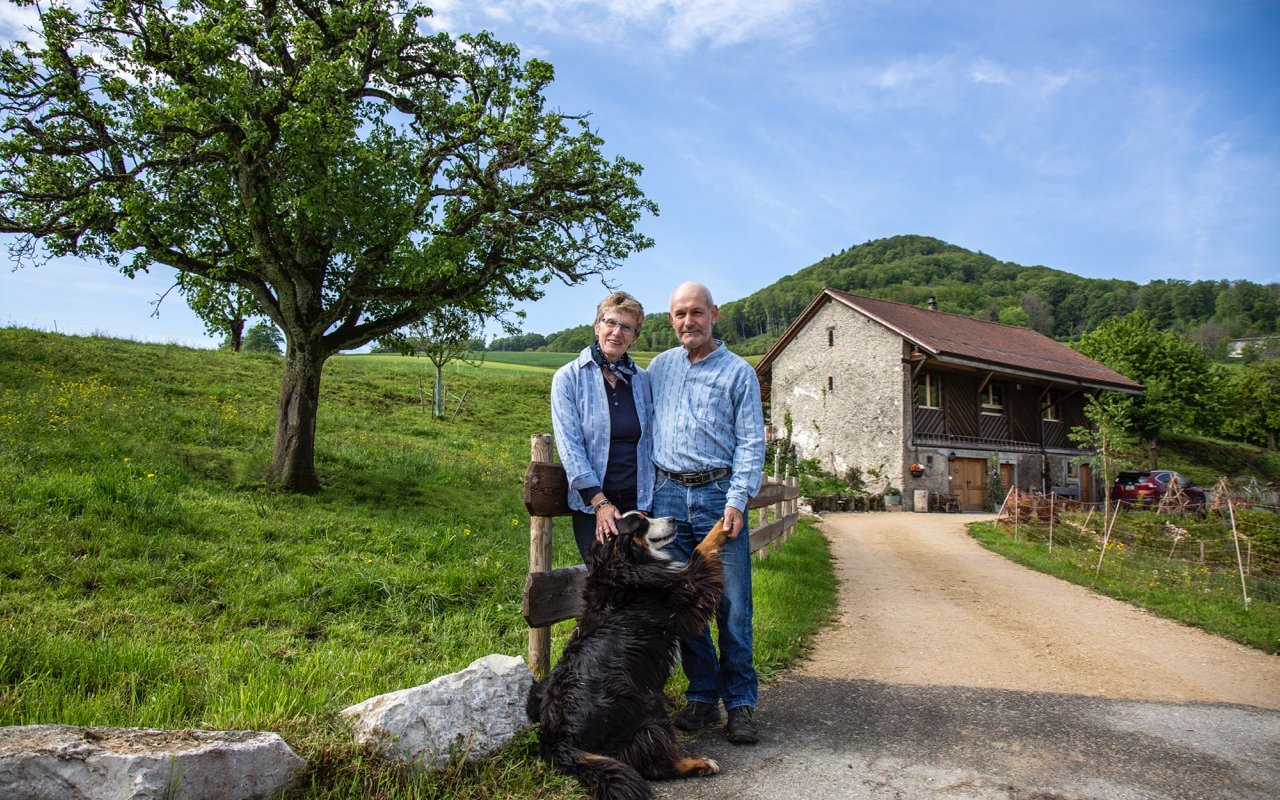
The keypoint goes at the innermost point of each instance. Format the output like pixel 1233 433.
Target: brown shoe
pixel 695 716
pixel 742 726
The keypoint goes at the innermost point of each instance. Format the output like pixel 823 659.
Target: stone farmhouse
pixel 875 384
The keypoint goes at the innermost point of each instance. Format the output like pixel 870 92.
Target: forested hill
pixel 912 268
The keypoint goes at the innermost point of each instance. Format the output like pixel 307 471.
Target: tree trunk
pixel 1152 462
pixel 1271 440
pixel 439 393
pixel 294 454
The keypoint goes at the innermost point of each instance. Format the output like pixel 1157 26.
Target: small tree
pixel 446 335
pixel 1107 436
pixel 995 493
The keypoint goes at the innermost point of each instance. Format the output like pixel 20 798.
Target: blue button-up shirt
pixel 582 426
pixel 708 415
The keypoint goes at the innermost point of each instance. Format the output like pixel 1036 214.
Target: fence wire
pixel 1229 547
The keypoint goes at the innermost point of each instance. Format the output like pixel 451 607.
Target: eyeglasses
pixel 613 324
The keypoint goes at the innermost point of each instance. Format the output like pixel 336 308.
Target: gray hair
pixel 624 302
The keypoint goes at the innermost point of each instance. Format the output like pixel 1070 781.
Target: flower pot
pixel 916 473
pixel 893 499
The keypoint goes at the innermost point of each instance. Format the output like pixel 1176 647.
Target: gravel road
pixel 953 673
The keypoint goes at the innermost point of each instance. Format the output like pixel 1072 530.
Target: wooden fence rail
pixel 552 595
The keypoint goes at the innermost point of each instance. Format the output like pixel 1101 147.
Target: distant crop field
pixel 530 358
pixel 510 363
pixel 549 360
pixel 522 361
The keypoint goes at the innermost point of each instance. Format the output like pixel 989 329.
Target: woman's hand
pixel 607 516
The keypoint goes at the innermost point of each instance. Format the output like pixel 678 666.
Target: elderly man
pixel 709 451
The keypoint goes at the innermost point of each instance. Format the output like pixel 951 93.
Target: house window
pixel 992 399
pixel 831 384
pixel 929 391
pixel 1073 470
pixel 1051 407
pixel 831 337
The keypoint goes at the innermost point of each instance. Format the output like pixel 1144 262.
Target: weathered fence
pixel 552 595
pixel 1229 545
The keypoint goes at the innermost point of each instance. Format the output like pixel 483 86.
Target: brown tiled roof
pixel 959 338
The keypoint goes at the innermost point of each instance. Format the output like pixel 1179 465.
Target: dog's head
pixel 640 540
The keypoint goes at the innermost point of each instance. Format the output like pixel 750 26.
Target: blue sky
pixel 1138 140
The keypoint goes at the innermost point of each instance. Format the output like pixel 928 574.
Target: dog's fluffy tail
pixel 604 778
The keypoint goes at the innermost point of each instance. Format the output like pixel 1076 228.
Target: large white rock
pixel 473 712
pixel 63 762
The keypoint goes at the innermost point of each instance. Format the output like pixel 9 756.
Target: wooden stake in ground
pixel 540 529
pixel 1106 537
pixel 1235 538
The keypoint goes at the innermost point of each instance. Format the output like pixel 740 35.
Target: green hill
pixel 911 269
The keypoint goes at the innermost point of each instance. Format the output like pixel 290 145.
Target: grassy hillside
pixel 147 576
pixel 1205 460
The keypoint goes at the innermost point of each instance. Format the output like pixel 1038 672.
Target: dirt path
pixel 922 603
pixel 953 674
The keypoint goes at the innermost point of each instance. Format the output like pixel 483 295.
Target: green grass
pixel 1205 460
pixel 1143 565
pixel 149 578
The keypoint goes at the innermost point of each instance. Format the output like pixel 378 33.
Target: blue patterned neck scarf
pixel 622 370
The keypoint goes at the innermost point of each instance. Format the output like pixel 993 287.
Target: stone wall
pixel 846 394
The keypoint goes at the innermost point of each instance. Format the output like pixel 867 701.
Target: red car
pixel 1145 488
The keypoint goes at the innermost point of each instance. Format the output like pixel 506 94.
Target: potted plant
pixel 916 470
pixel 892 495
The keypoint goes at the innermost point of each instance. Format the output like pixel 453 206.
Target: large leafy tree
pixel 1174 373
pixel 1252 403
pixel 348 169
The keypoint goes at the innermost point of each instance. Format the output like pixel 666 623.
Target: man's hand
pixel 733 523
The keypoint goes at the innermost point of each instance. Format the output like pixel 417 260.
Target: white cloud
pixel 17 22
pixel 679 24
pixel 985 71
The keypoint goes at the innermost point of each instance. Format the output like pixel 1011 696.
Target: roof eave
pixel 1056 377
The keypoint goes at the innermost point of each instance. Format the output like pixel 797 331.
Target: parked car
pixel 1146 487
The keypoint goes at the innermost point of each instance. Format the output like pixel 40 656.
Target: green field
pixel 498 361
pixel 148 577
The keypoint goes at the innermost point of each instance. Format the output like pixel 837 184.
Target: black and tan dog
pixel 602 713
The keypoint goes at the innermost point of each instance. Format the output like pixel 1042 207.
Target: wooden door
pixel 1006 478
pixel 1086 484
pixel 968 482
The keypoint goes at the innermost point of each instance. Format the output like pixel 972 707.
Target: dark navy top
pixel 622 472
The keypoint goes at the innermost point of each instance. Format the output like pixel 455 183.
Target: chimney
pixel 933 303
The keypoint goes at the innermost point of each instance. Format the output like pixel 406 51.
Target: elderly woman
pixel 602 417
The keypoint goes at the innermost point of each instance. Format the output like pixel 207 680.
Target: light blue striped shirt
pixel 582 426
pixel 708 415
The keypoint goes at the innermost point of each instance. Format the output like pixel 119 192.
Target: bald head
pixel 692 290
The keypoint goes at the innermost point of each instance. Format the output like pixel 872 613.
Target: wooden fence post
pixel 793 505
pixel 540 529
pixel 780 510
pixel 763 514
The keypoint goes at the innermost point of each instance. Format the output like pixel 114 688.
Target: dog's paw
pixel 714 540
pixel 696 767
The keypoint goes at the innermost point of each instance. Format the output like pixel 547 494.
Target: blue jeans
pixel 731 677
